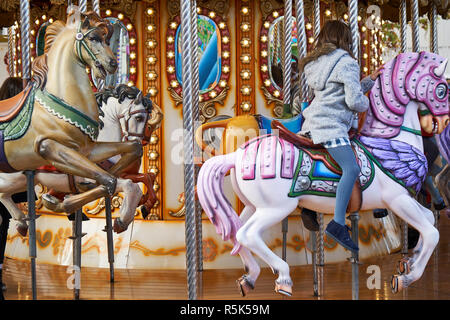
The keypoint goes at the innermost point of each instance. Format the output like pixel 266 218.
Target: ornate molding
pixel 221 7
pixel 116 202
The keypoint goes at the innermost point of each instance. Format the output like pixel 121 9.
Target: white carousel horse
pixel 272 177
pixel 126 116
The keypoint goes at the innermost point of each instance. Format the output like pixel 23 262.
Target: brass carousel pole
pixel 354 216
pixel 10 52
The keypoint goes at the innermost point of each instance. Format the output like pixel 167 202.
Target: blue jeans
pixel 345 157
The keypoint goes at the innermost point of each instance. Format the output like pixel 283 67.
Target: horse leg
pixel 70 161
pixel 417 216
pixel 130 151
pixel 149 198
pixel 11 183
pixel 249 235
pixel 132 195
pixel 252 269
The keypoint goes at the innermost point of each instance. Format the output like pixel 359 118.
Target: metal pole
pixel 354 217
pixel 415 25
pixel 320 254
pixel 314 262
pixel 433 29
pixel 109 237
pixel 287 70
pixel 77 229
pixel 188 140
pixel 301 45
pixel 403 23
pixel 196 120
pixel 25 38
pixel 287 57
pixel 32 229
pixel 83 5
pixel 96 6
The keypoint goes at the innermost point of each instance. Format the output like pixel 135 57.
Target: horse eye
pixel 441 90
pixel 139 119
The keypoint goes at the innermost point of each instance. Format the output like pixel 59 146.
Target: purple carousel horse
pixel 272 177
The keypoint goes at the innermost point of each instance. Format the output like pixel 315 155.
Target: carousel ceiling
pixel 9 9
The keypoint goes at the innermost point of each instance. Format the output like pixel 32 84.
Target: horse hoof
pixel 398 283
pixel 283 289
pixel 145 212
pixel 51 203
pixel 244 285
pixel 22 230
pixel 118 226
pixel 404 266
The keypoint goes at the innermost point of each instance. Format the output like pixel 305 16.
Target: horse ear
pixel 85 24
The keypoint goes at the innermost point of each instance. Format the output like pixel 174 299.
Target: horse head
pixel 138 116
pixel 417 77
pixel 92 44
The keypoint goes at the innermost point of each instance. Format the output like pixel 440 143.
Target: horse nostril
pixel 113 63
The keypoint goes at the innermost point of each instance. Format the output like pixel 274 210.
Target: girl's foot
pixel 340 234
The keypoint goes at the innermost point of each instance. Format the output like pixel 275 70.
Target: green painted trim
pixel 62 110
pixel 414 131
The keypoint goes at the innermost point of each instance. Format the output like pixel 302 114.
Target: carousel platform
pixel 137 284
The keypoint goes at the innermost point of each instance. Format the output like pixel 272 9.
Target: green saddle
pixel 18 126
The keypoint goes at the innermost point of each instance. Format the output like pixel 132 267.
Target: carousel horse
pixel 273 176
pixel 55 120
pixel 125 115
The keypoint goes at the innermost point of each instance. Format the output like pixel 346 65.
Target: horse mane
pixel 120 92
pixel 39 66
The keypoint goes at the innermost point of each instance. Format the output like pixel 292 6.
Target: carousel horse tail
pixel 212 198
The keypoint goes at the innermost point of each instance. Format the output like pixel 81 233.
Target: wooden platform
pixel 220 284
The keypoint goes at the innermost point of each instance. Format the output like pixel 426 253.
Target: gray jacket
pixel 334 78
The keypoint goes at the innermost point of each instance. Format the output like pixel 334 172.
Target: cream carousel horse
pixel 126 116
pixel 55 120
pixel 272 177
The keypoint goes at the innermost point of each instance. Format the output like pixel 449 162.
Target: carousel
pixel 165 166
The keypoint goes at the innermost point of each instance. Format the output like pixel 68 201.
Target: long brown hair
pixel 11 87
pixel 334 34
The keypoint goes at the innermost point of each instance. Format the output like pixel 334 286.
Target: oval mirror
pixel 275 61
pixel 209 54
pixel 120 45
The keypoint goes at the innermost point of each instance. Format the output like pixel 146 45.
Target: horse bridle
pixel 126 115
pixel 79 37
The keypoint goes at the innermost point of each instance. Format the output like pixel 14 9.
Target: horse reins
pixel 126 116
pixel 80 36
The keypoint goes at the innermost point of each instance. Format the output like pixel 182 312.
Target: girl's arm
pixel 354 95
pixel 368 82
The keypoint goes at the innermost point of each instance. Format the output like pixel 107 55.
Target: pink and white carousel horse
pixel 126 115
pixel 272 177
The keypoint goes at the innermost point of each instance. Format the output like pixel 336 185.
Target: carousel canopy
pixel 10 12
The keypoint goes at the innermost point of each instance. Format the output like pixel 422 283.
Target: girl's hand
pixel 376 73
